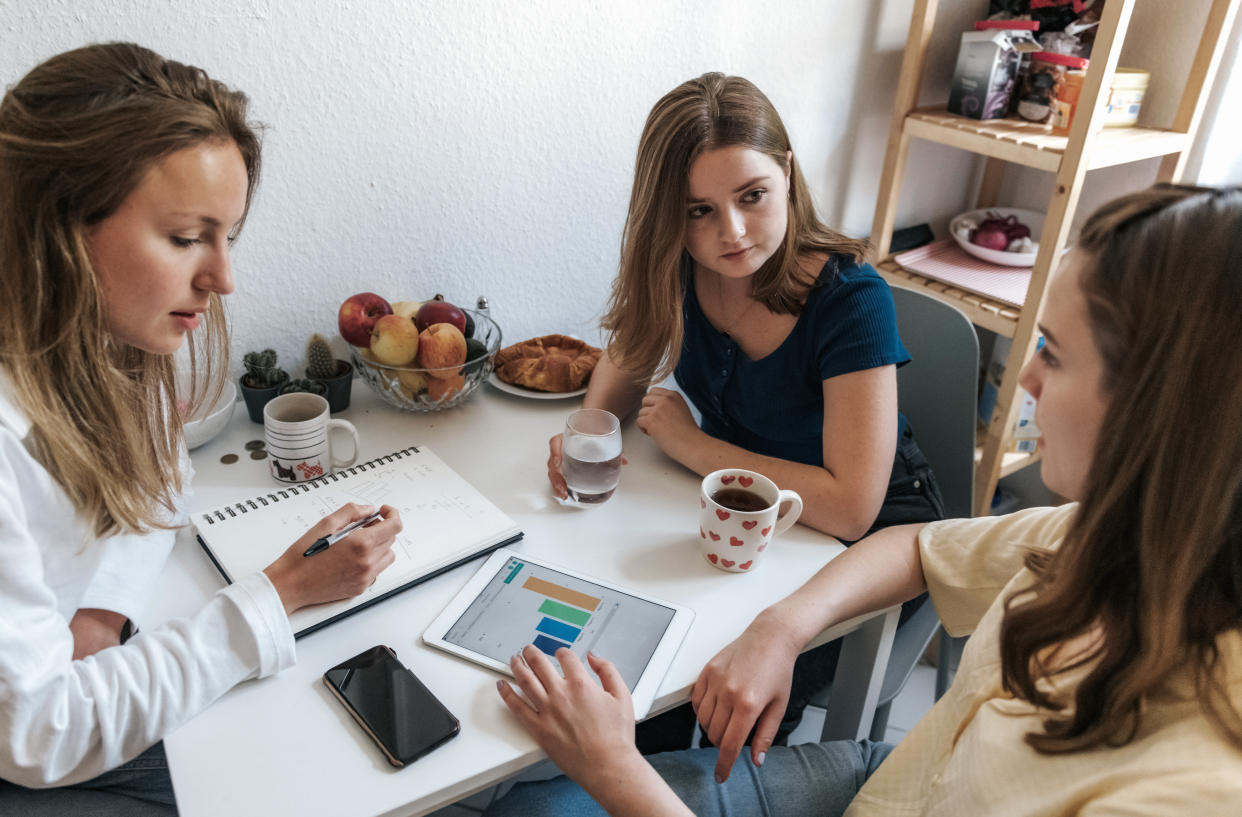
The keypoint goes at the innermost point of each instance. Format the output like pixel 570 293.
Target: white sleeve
pixel 64 721
pixel 131 562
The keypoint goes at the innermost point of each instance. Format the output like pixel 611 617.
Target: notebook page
pixel 445 519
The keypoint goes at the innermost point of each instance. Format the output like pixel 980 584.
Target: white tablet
pixel 515 600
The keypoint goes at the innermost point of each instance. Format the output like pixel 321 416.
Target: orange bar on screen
pixel 560 593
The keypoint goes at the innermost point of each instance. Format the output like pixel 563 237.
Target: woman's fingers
pixel 555 449
pixel 529 683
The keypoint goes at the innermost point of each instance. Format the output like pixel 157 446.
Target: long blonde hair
pixel 1152 563
pixel 77 136
pixel 644 317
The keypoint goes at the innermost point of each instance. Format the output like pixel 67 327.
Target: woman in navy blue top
pixel 773 325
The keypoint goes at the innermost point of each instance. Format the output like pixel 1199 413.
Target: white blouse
pixel 64 721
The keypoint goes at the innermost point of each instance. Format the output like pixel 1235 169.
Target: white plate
pixel 531 393
pixel 1032 219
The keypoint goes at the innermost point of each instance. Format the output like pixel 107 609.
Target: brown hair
pixel 77 135
pixel 644 318
pixel 1152 563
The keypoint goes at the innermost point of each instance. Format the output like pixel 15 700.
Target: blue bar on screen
pixel 559 629
pixel 548 645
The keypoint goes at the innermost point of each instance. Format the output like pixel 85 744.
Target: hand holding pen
pixel 325 542
pixel 352 545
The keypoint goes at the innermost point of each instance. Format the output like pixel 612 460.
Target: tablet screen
pixel 526 603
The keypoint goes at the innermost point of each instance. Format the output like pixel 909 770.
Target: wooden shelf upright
pixel 1008 141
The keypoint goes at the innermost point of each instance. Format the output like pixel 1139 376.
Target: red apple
pixel 358 315
pixel 441 350
pixel 434 312
pixel 394 340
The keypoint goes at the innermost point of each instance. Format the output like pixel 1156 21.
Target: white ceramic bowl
pixel 1032 219
pixel 208 421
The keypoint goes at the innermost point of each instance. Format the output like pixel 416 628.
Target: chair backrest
pixel 937 391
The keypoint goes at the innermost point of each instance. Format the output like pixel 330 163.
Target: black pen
pixel 325 542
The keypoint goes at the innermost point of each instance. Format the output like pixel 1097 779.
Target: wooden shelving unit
pixel 1006 141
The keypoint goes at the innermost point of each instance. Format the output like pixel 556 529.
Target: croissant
pixel 552 363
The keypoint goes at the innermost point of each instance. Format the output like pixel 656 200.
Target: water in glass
pixel 591 455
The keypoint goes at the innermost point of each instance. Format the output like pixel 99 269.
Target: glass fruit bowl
pixel 417 389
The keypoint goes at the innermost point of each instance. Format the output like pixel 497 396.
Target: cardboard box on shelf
pixel 1025 436
pixel 987 66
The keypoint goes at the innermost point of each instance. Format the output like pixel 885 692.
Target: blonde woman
pixel 1103 675
pixel 774 326
pixel 124 178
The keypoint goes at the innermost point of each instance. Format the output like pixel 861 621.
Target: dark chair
pixel 937 392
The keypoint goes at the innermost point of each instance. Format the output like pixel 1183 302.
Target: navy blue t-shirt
pixel 775 405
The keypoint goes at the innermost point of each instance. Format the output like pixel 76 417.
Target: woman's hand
pixel 745 686
pixel 343 570
pixel 588 730
pixel 582 726
pixel 665 418
pixel 94 630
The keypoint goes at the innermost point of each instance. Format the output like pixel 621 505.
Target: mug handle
pixel 785 520
pixel 348 426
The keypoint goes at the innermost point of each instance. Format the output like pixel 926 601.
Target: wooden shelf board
pixel 1026 143
pixel 992 315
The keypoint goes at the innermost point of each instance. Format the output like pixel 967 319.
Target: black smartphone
pixel 389 702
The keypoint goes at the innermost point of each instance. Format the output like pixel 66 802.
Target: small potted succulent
pixel 261 382
pixel 323 368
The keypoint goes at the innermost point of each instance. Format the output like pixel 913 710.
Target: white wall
pixel 487 147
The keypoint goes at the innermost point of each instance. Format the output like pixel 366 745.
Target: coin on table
pixel 261 454
pixel 229 459
pixel 255 445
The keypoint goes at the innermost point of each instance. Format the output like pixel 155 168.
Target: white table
pixel 283 746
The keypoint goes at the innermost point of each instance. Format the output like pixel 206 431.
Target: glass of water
pixel 591 455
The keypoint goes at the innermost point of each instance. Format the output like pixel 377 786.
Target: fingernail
pixel 500 686
pixel 719 778
pixel 762 757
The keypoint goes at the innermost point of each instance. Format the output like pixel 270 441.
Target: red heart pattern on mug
pixel 761 548
pixel 745 481
pixel 702 502
pixel 702 535
pixel 750 524
pixel 712 557
pixel 727 563
pixel 766 531
pixel 746 565
pixel 727 480
pixel 722 515
pixel 737 543
pixel 715 536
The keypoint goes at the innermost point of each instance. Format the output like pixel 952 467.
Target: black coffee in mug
pixel 739 499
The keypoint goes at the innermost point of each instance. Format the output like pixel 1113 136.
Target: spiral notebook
pixel 446 522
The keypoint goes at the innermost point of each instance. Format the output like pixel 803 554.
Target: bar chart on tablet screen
pixel 525 603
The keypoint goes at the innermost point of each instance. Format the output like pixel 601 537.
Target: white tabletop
pixel 283 746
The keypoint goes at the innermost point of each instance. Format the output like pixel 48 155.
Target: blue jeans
pixel 799 781
pixel 139 788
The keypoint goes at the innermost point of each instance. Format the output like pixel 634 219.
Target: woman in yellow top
pixel 1104 670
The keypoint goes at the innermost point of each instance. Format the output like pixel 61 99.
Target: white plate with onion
pixel 995 235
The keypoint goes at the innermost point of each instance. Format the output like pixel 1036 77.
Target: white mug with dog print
pixel 297 429
pixel 739 513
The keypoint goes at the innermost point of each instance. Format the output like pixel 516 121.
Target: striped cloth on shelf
pixel 945 261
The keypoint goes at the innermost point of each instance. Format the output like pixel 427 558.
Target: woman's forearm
pixel 613 389
pixel 877 572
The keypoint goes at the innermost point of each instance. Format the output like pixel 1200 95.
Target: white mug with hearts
pixel 739 513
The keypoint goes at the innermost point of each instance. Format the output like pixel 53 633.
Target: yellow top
pixel 967 756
